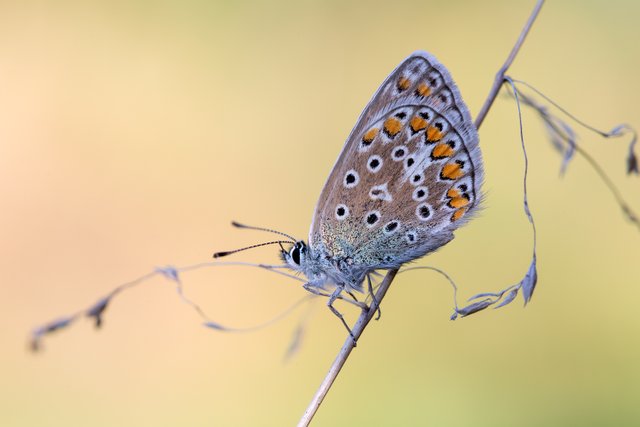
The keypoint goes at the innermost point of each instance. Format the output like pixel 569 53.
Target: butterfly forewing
pixel 408 175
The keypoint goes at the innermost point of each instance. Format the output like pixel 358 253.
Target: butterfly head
pixel 321 268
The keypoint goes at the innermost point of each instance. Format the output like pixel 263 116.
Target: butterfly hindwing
pixel 408 175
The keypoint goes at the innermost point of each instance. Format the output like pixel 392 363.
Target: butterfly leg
pixel 334 296
pixel 314 290
pixel 352 296
pixel 374 301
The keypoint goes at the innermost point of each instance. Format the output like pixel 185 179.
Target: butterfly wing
pixel 408 175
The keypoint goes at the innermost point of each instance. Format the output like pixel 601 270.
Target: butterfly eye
pixel 297 251
pixel 295 255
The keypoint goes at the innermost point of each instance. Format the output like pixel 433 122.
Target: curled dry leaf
pixel 474 307
pixel 529 281
pixel 40 332
pixel 97 309
pixel 169 272
pixel 216 326
pixel 513 293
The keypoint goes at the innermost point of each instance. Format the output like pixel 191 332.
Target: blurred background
pixel 133 132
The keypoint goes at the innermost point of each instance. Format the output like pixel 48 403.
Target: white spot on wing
pixel 380 192
pixel 434 80
pixel 420 193
pixel 411 236
pixel 416 178
pixel 453 140
pixel 399 153
pixel 423 211
pixel 342 209
pixel 391 227
pixel 374 163
pixel 351 179
pixel 371 218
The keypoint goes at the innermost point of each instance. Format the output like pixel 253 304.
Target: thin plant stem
pixel 347 347
pixel 367 314
pixel 497 82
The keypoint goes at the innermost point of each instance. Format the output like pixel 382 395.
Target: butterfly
pixel 409 174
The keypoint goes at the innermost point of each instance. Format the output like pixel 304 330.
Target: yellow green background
pixel 132 132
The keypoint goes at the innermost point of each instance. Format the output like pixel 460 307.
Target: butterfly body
pixel 409 175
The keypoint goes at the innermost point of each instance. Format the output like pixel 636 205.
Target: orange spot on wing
pixel 423 89
pixel 418 123
pixel 403 83
pixel 370 135
pixel 392 126
pixel 433 134
pixel 441 151
pixel 453 193
pixel 458 214
pixel 451 171
pixel 458 202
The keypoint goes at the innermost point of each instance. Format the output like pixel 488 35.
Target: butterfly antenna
pixel 221 254
pixel 249 227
